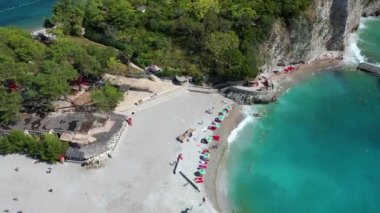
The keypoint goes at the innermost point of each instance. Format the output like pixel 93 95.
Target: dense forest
pixel 202 38
pixel 33 74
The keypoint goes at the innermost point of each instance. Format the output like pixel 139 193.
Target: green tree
pixel 200 7
pixel 53 148
pixel 69 15
pixel 24 48
pixel 115 66
pixel 107 97
pixel 10 105
pixel 47 148
pixel 219 42
pixel 48 85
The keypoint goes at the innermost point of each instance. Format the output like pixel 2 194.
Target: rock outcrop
pixel 371 8
pixel 325 27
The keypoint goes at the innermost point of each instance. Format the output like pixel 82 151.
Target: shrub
pixel 107 97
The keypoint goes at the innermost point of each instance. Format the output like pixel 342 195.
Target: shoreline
pixel 215 184
pixel 287 81
pixel 215 178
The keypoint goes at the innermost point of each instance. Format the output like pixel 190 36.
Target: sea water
pixel 369 40
pixel 318 148
pixel 27 14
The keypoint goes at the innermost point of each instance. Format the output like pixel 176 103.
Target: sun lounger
pixel 187 134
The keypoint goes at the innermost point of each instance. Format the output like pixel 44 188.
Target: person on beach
pixel 173 163
pixel 214 147
pixel 187 209
pixel 203 201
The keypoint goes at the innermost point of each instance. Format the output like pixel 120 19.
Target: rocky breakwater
pixel 247 96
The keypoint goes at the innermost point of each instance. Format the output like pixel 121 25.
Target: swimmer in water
pixel 250 169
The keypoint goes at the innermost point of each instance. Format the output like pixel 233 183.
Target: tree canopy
pixel 47 148
pixel 33 74
pixel 107 97
pixel 188 37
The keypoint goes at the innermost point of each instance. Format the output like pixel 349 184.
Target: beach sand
pixel 285 81
pixel 138 177
pixel 215 182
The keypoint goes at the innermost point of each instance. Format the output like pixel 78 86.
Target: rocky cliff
pixel 324 28
pixel 371 8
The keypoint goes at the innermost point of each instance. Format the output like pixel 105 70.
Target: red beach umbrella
pixel 216 137
pixel 212 128
pixel 129 121
pixel 62 159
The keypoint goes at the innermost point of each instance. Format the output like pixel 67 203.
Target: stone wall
pixel 248 97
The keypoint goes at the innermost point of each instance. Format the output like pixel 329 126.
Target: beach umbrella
pixel 203 166
pixel 228 107
pixel 207 155
pixel 209 139
pixel 216 137
pixel 202 171
pixel 212 128
pixel 221 117
pixel 217 125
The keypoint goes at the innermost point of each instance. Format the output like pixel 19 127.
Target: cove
pixel 316 150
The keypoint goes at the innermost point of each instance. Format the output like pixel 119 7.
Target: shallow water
pixel 316 150
pixel 27 14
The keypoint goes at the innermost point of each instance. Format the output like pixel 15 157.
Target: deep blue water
pixel 317 149
pixel 27 14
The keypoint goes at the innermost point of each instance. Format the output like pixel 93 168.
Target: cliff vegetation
pixel 214 38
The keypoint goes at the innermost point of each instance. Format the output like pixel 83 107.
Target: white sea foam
pixel 353 54
pixel 233 135
pixel 247 120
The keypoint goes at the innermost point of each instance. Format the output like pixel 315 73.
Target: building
pixel 141 8
pixel 181 80
pixel 89 134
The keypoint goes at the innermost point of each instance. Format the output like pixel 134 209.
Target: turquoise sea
pixel 27 14
pixel 318 148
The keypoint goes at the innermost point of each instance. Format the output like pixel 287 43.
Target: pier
pixel 369 68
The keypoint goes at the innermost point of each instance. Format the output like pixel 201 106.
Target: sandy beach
pixel 285 81
pixel 215 178
pixel 138 177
